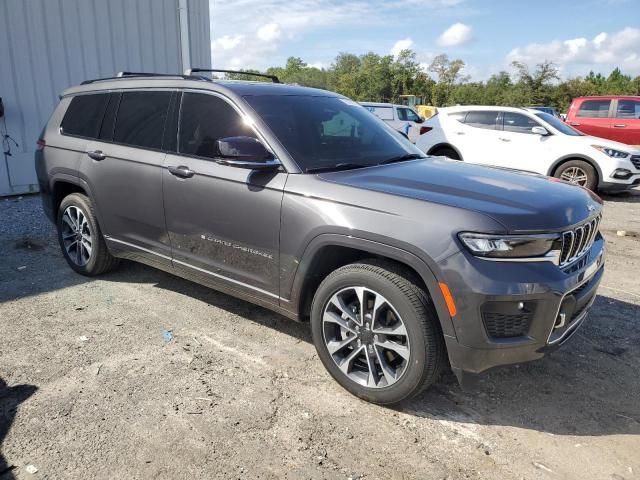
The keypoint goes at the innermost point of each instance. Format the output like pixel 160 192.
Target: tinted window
pixel 516 122
pixel 594 109
pixel 322 132
pixel 482 119
pixel 628 109
pixel 205 119
pixel 141 117
pixel 84 115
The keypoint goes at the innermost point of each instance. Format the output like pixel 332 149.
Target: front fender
pixel 400 255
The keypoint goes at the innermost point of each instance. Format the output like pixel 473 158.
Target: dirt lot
pixel 97 388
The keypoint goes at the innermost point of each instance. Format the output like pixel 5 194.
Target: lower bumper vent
pixel 506 325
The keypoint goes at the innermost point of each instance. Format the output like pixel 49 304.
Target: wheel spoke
pixel 395 347
pixel 397 329
pixel 68 247
pixel 87 248
pixel 338 301
pixel 372 378
pixel 360 293
pixel 347 363
pixel 334 346
pixel 333 317
pixel 386 371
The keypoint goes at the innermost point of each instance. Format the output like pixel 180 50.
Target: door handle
pixel 181 171
pixel 505 139
pixel 575 124
pixel 619 125
pixel 459 133
pixel 96 154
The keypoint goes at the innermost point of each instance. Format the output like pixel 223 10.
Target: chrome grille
pixel 635 159
pixel 577 241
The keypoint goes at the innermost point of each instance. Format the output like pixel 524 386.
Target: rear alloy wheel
pixel 376 331
pixel 80 238
pixel 578 172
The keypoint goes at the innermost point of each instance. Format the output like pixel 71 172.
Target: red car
pixel 613 117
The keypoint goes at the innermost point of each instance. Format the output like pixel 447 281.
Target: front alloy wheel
pixel 575 175
pixel 376 332
pixel 366 337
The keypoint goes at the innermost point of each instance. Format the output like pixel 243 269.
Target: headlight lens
pixel 611 152
pixel 510 246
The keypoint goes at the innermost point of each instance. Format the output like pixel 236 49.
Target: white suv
pixel 530 140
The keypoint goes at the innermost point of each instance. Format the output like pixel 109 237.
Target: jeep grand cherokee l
pixel 303 202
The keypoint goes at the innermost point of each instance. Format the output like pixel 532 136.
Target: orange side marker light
pixel 448 298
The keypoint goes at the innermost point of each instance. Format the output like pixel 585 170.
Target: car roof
pixel 236 87
pixel 470 108
pixel 607 97
pixel 382 104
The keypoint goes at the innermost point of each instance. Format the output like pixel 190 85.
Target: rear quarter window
pixel 84 116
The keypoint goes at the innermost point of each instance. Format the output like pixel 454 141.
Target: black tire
pixel 446 152
pixel 427 351
pixel 580 167
pixel 99 260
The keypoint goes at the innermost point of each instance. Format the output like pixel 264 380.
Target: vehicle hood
pixel 589 140
pixel 519 201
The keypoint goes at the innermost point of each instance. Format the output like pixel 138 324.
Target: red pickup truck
pixel 612 117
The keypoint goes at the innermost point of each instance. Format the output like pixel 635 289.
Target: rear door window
pixel 141 118
pixel 205 119
pixel 406 114
pixel 84 115
pixel 594 109
pixel 628 108
pixel 518 123
pixel 480 119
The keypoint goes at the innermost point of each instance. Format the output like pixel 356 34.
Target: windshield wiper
pixel 403 158
pixel 336 167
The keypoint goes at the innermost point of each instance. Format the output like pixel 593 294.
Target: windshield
pixel 558 124
pixel 326 132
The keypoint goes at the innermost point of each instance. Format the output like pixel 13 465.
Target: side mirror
pixel 419 120
pixel 244 152
pixel 540 131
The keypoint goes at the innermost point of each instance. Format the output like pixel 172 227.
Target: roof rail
pixel 190 71
pixel 120 75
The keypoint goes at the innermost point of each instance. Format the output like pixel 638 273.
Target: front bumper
pixel 514 312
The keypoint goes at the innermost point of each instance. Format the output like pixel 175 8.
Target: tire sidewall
pixel 83 203
pixel 413 374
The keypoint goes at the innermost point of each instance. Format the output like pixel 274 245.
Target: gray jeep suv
pixel 303 202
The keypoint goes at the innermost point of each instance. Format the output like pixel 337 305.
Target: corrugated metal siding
pixel 49 45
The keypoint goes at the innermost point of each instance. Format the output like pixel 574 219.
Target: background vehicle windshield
pixel 558 124
pixel 322 132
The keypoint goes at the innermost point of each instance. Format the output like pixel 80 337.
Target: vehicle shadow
pixel 630 196
pixel 589 387
pixel 10 399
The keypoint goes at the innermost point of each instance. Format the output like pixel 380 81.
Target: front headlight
pixel 510 246
pixel 611 152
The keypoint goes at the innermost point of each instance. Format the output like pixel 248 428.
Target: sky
pixel 578 35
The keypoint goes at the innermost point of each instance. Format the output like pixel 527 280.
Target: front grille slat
pixel 578 241
pixel 635 159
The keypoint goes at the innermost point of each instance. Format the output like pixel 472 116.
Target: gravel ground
pixel 91 388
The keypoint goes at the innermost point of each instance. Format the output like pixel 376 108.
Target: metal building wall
pixel 49 45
